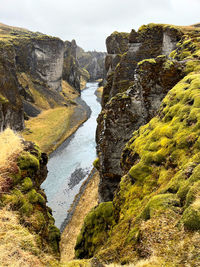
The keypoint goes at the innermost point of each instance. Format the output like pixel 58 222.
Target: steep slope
pixel 71 70
pixel 28 234
pixel 147 84
pixel 155 211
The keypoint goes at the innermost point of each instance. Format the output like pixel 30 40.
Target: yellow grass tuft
pixel 11 146
pixel 48 128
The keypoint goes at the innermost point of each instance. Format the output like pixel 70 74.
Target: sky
pixel 89 22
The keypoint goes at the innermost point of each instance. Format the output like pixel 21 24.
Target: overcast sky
pixel 89 22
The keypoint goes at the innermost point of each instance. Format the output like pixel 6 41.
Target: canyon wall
pixel 93 62
pixel 148 151
pixel 133 92
pixel 33 66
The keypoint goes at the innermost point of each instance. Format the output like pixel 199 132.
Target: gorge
pixel 148 152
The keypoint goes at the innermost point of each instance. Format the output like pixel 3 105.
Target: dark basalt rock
pixel 71 72
pixel 93 62
pixel 132 96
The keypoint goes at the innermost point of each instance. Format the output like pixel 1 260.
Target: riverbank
pixel 99 93
pixel 53 126
pixel 83 203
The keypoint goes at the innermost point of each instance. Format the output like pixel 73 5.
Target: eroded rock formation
pixel 71 70
pixel 93 62
pixel 32 66
pixel 133 93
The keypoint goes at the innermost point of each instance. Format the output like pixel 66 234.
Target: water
pixel 72 161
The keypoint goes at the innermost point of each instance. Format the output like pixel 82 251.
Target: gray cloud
pixel 91 21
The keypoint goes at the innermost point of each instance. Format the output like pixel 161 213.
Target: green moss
pixel 191 217
pixel 150 61
pixel 32 196
pixel 3 100
pixel 28 161
pixel 93 232
pixel 27 184
pixel 140 171
pixel 54 237
pixel 96 163
pixel 193 193
pixel 159 204
pixel 26 209
pixel 37 221
pixel 192 66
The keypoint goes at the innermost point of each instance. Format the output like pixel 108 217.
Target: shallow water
pixel 71 163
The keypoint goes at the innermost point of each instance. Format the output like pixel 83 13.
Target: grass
pixel 100 91
pixel 11 146
pixel 68 91
pixel 49 128
pixel 88 200
pixel 18 247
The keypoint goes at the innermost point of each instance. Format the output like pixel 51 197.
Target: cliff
pixel 148 152
pixel 147 82
pixel 93 62
pixel 32 68
pixel 71 70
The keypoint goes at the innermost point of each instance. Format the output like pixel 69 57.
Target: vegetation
pixel 45 129
pixel 156 212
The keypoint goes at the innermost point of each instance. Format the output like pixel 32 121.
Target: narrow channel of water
pixel 71 163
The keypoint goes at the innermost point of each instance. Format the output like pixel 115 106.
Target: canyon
pixel 147 211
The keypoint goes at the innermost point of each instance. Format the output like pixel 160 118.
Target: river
pixel 70 164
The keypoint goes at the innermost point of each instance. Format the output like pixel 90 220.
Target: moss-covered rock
pixel 28 161
pixel 29 200
pixel 191 216
pixel 93 233
pixel 159 204
pixel 27 184
pixel 156 206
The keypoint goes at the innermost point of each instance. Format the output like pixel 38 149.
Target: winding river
pixel 71 163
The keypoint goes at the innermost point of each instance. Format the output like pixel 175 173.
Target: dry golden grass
pixel 83 83
pixel 100 91
pixel 18 247
pixel 88 200
pixel 49 128
pixel 68 91
pixel 11 146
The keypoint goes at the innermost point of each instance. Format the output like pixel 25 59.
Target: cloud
pixel 91 21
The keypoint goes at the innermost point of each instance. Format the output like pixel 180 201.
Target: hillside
pixel 147 144
pixel 28 234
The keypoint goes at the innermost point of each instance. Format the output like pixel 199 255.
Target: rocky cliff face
pixel 133 93
pixel 11 106
pixel 71 70
pixel 93 62
pixel 155 218
pixel 32 68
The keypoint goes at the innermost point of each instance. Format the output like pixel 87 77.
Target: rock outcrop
pixel 11 106
pixel 93 62
pixel 155 219
pixel 71 70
